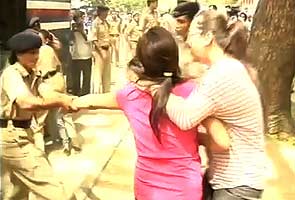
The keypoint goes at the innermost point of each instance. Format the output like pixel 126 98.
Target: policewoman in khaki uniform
pixel 101 43
pixel 25 166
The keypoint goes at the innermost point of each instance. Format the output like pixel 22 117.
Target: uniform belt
pixel 49 74
pixel 16 123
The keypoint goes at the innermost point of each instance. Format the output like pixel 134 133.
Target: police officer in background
pixel 100 35
pixel 184 14
pixel 115 27
pixel 21 88
pixel 133 32
pixel 150 16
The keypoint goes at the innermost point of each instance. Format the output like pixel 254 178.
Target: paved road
pixel 102 131
pixel 104 169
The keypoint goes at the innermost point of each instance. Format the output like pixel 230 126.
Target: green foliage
pixel 225 2
pixel 123 5
pixel 127 5
pixel 96 2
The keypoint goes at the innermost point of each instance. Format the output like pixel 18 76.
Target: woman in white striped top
pixel 227 93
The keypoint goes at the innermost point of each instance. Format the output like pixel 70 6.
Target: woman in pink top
pixel 168 162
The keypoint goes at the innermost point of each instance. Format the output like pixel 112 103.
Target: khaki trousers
pixel 27 168
pixel 115 42
pixel 132 45
pixel 101 77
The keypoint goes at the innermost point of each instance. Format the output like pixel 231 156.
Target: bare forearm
pixel 37 103
pixel 97 101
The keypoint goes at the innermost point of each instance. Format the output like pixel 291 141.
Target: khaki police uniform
pixel 149 19
pixel 114 39
pixel 133 32
pixel 50 67
pixel 24 164
pixel 102 58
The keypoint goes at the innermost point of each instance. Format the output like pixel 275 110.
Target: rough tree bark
pixel 272 52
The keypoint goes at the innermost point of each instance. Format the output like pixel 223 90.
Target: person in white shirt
pixel 81 52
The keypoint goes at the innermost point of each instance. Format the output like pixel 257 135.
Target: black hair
pixel 181 1
pixel 148 2
pixel 100 9
pixel 77 14
pixel 157 60
pixel 244 16
pixel 214 7
pixel 47 35
pixel 12 58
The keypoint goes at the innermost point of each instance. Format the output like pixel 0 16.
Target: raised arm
pixel 188 113
pixel 97 101
pixel 206 100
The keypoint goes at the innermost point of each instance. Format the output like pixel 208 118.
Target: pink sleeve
pixel 184 89
pixel 122 95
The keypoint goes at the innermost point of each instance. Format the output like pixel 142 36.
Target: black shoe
pixel 76 148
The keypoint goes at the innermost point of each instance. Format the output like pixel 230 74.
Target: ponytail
pixel 159 102
pixel 156 61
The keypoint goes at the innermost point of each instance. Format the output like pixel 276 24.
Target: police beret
pixel 33 21
pixel 24 41
pixel 186 9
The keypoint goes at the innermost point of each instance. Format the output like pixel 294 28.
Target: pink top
pixel 170 170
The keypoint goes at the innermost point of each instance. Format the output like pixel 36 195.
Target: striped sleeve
pixel 188 113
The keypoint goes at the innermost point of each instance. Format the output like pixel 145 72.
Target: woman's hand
pixel 218 138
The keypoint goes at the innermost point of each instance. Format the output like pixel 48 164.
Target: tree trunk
pixel 272 52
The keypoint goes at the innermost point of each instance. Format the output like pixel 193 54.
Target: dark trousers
pixel 83 66
pixel 236 193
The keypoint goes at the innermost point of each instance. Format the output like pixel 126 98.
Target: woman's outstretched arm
pixel 97 101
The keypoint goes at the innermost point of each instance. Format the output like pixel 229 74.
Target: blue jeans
pixel 237 193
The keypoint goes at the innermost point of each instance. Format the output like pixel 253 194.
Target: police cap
pixel 33 21
pixel 188 9
pixel 24 41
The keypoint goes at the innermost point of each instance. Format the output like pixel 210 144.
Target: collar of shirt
pixel 22 70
